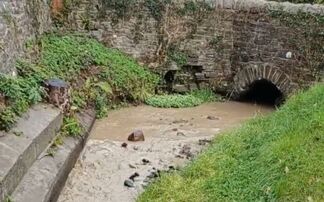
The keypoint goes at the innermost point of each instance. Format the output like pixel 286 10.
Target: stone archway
pixel 262 74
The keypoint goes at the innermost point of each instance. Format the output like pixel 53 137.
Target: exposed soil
pixel 172 138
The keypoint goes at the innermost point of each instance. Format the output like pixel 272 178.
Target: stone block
pixel 180 88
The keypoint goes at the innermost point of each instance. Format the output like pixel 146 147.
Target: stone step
pixel 21 147
pixel 47 176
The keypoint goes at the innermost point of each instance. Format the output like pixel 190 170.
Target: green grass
pixel 191 99
pixel 118 77
pixel 274 158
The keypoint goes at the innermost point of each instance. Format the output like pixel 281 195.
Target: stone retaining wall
pixel 232 36
pixel 219 39
pixel 20 20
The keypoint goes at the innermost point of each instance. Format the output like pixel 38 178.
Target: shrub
pixel 71 58
pixel 191 99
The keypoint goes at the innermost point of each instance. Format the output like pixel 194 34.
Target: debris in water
pixel 124 145
pixel 153 175
pixel 129 183
pixel 204 142
pixel 136 136
pixel 213 118
pixel 145 161
pixel 186 151
pixel 175 129
pixel 180 121
pixel 180 134
pixel 132 177
pixel 132 166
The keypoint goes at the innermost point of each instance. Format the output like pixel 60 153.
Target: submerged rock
pixel 135 175
pixel 124 145
pixel 129 183
pixel 132 166
pixel 180 121
pixel 145 161
pixel 153 175
pixel 186 151
pixel 213 118
pixel 180 134
pixel 204 142
pixel 136 136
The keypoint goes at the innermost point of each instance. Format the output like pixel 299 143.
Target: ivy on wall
pixel 173 28
pixel 308 40
pixel 157 8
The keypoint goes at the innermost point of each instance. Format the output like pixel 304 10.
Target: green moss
pixel 274 158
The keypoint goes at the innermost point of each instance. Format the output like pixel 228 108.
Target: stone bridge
pixel 232 46
pixel 227 45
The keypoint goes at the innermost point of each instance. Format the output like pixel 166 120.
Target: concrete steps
pixel 45 179
pixel 21 147
pixel 26 173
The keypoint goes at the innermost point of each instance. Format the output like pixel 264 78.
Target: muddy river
pixel 172 138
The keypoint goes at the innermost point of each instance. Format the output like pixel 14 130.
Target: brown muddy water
pixel 173 137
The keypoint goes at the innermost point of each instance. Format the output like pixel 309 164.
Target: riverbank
pixel 173 138
pixel 274 158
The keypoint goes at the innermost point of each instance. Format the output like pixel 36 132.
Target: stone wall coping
pixel 262 5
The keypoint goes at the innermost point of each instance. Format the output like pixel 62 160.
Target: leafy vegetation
pixel 157 7
pixel 71 127
pixel 191 99
pixel 98 76
pixel 179 57
pixel 192 7
pixel 274 158
pixel 17 94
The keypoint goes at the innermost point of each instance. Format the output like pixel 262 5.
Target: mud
pixel 173 137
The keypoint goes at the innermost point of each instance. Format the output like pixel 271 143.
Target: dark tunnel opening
pixel 262 92
pixel 169 78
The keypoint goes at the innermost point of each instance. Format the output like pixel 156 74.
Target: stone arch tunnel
pixel 262 84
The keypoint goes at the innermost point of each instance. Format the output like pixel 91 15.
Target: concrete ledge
pixel 17 153
pixel 263 5
pixel 46 178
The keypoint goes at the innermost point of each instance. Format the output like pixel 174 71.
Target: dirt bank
pixel 173 137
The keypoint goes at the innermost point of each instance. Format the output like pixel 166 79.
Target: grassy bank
pixel 99 76
pixel 274 158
